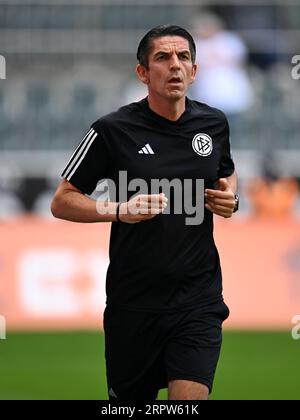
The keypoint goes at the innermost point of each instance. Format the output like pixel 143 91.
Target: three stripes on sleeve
pixel 79 154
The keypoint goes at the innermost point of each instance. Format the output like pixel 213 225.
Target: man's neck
pixel 171 110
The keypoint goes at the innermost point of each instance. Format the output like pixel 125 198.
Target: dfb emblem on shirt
pixel 202 144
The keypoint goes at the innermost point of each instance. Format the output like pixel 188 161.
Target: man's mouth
pixel 175 80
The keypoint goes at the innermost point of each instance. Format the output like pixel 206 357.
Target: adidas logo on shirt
pixel 146 150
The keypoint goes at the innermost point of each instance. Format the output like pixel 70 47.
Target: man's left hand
pixel 222 200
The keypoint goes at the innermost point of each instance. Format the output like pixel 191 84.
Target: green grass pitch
pixel 253 365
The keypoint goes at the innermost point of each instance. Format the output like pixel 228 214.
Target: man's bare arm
pixel 69 203
pixel 221 201
pixel 233 182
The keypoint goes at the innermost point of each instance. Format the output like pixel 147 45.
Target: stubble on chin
pixel 176 94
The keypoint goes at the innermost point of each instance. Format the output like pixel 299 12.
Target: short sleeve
pixel 89 163
pixel 226 166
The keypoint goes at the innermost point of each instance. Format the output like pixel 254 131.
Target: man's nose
pixel 174 62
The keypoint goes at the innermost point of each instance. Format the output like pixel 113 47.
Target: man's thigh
pixel 192 351
pixel 187 390
pixel 134 354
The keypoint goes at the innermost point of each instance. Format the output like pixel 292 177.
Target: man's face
pixel 170 70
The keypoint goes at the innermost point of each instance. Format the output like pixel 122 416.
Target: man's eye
pixel 184 56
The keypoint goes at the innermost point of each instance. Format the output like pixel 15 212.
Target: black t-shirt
pixel 161 264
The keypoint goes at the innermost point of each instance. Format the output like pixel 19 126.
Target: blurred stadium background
pixel 67 63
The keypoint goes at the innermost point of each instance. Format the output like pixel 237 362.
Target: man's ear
pixel 142 73
pixel 194 72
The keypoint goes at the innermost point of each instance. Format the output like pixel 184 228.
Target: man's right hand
pixel 142 207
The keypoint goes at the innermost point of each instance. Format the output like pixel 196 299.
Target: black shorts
pixel 144 351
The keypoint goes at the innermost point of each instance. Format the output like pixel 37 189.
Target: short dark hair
pixel 158 32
